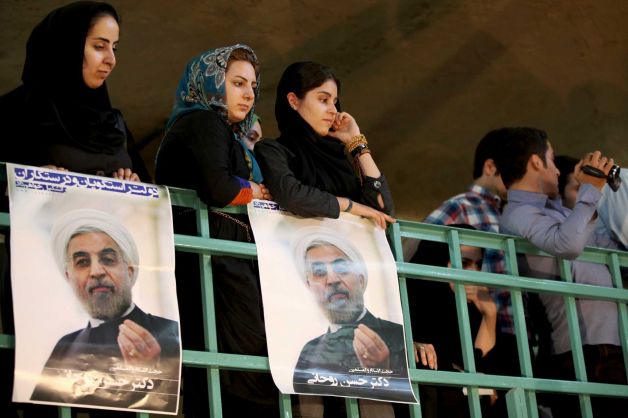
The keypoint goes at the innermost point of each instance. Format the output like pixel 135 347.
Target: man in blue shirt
pixel 535 212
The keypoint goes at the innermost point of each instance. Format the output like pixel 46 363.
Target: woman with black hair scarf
pixel 61 115
pixel 321 164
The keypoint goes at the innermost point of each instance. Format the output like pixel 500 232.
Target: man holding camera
pixel 535 212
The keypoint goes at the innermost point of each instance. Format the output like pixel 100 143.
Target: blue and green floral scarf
pixel 202 87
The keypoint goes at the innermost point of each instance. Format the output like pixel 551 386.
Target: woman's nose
pixel 110 58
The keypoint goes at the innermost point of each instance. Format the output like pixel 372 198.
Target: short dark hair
pixel 485 150
pixel 565 165
pixel 517 145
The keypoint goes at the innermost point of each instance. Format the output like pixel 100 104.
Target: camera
pixel 613 179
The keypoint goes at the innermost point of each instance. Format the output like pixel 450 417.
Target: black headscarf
pixel 54 103
pixel 320 161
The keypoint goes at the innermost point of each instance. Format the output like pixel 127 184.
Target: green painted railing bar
pixel 7 341
pixel 441 377
pixel 214 246
pixel 209 314
pixel 468 358
pixel 393 230
pixel 353 411
pixel 285 406
pixel 444 274
pixel 521 330
pixel 225 361
pixel 417 230
pixel 575 339
pixel 516 403
pixel 622 309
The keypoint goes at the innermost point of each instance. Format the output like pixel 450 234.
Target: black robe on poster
pixel 327 363
pixel 86 367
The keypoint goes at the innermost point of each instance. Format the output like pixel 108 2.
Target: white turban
pixel 88 220
pixel 314 236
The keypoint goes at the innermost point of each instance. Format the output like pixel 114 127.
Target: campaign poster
pixel 94 293
pixel 333 315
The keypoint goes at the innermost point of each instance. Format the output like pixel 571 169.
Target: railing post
pixel 575 339
pixel 353 410
pixel 621 308
pixel 466 341
pixel 285 406
pixel 209 313
pixel 521 330
pixel 516 403
pixel 395 240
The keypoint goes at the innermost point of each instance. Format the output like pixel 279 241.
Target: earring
pixel 293 107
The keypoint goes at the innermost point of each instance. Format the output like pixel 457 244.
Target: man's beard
pixel 342 311
pixel 107 305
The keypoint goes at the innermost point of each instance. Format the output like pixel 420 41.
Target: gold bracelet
pixel 355 142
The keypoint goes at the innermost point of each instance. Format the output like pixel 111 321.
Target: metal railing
pixel 521 397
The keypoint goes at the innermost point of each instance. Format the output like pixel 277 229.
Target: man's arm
pixel 565 238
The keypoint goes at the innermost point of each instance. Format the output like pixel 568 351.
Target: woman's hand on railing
pixel 125 174
pixel 426 355
pixel 54 167
pixel 260 191
pixel 380 218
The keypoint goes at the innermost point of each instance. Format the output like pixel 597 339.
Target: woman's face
pixel 240 87
pixel 318 107
pixel 99 58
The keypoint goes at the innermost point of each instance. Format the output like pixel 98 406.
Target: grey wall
pixel 425 79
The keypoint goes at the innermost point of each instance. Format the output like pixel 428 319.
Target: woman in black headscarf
pixel 321 164
pixel 61 115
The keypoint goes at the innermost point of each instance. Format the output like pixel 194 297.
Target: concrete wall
pixel 425 79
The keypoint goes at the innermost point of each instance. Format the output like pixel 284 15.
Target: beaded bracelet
pixel 355 142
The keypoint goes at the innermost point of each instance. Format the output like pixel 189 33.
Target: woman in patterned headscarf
pixel 203 150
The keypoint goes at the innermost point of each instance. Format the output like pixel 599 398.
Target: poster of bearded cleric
pixel 333 315
pixel 94 293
